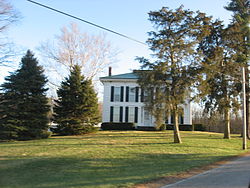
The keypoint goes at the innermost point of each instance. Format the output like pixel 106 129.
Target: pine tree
pixel 76 110
pixel 23 104
pixel 240 37
pixel 171 75
pixel 220 84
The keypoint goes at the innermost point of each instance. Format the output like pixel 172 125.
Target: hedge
pixel 117 126
pixel 182 127
pixel 198 127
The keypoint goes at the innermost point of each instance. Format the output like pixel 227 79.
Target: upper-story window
pixel 116 94
pixel 132 94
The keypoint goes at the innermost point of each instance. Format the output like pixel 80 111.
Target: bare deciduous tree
pixel 74 47
pixel 8 15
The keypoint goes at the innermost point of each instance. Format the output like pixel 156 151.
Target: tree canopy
pixel 174 45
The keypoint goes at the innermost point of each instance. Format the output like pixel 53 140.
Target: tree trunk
pixel 227 134
pixel 159 119
pixel 177 137
pixel 247 101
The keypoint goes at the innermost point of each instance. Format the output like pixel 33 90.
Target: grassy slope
pixel 107 159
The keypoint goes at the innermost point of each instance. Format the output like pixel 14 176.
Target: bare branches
pixel 8 15
pixel 73 47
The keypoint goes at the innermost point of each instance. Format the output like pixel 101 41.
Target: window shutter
pixel 181 119
pixel 111 113
pixel 136 94
pixel 126 114
pixel 142 95
pixel 136 114
pixel 172 119
pixel 166 120
pixel 152 94
pixel 112 94
pixel 121 113
pixel 127 93
pixel 122 91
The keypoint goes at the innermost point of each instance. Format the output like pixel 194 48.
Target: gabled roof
pixel 131 75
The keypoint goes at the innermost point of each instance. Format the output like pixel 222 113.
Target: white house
pixel 123 102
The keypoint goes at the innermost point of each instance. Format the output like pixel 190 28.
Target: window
pixel 147 95
pixel 117 94
pixel 131 114
pixel 147 117
pixel 132 92
pixel 116 114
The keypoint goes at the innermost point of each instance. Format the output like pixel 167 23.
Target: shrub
pixel 198 127
pixel 184 127
pixel 161 128
pixel 150 128
pixel 144 128
pixel 117 126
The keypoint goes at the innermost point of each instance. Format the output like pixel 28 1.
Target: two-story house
pixel 123 102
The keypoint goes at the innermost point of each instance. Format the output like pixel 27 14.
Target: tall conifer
pixel 220 83
pixel 23 105
pixel 240 37
pixel 174 42
pixel 76 110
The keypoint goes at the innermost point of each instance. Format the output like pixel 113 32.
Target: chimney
pixel 110 71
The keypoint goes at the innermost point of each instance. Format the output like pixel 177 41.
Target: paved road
pixel 234 174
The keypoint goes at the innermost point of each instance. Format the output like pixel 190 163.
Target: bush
pixel 184 127
pixel 163 127
pixel 117 126
pixel 45 134
pixel 150 128
pixel 198 127
pixel 89 129
pixel 144 128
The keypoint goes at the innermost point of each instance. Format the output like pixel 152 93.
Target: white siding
pixel 132 83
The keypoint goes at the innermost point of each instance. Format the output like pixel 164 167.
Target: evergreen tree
pixel 240 37
pixel 76 110
pixel 173 72
pixel 23 104
pixel 220 82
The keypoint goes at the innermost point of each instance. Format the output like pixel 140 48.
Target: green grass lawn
pixel 108 159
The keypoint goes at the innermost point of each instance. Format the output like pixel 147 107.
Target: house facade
pixel 123 102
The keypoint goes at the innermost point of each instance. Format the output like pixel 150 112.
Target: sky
pixel 129 17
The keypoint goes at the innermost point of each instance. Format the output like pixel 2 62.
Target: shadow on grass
pixel 93 172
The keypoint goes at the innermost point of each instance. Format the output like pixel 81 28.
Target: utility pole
pixel 244 132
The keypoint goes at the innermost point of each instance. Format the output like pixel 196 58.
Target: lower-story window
pixel 116 114
pixel 131 114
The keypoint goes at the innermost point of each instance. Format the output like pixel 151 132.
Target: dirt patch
pixel 157 183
